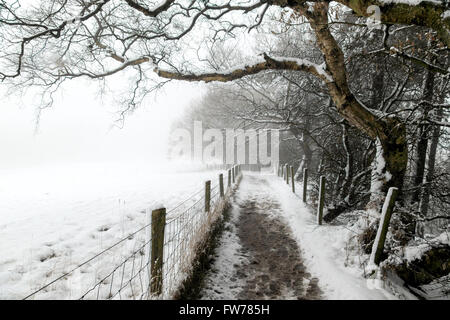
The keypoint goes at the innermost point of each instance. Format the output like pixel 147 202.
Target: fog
pixel 83 127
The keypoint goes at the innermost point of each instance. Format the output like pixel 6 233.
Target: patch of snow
pixel 324 250
pixel 320 68
pixel 250 62
pixel 415 252
pixel 223 283
pixel 438 289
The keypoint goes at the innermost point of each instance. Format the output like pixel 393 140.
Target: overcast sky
pixel 80 127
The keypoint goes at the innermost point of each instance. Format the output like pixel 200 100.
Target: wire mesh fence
pixel 125 269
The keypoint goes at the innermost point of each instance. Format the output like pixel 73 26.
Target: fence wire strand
pixel 128 274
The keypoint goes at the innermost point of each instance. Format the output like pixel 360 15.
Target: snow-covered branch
pixel 263 63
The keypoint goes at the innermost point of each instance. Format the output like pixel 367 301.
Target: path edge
pixel 192 286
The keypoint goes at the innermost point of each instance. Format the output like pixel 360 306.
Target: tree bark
pixel 345 188
pixel 377 87
pixel 424 204
pixel 390 131
pixel 422 143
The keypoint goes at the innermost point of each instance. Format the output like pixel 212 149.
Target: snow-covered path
pixel 272 249
pixel 270 262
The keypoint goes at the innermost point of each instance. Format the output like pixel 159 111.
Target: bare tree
pixel 57 40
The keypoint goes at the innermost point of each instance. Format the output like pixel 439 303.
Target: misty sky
pixel 80 127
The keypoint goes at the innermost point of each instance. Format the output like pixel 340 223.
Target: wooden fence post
pixel 287 174
pixel 292 179
pixel 305 183
pixel 229 178
pixel 207 195
pixel 386 213
pixel 221 185
pixel 158 226
pixel 321 200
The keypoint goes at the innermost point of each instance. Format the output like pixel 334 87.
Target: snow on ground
pixel 223 284
pixel 53 218
pixel 324 249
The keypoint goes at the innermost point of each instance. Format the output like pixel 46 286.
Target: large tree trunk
pixel 377 85
pixel 422 143
pixel 348 178
pixel 389 132
pixel 421 156
pixel 431 166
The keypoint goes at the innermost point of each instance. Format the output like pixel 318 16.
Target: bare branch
pixel 267 63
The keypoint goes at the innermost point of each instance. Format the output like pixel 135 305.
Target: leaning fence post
pixel 321 200
pixel 221 185
pixel 305 183
pixel 207 195
pixel 386 213
pixel 158 225
pixel 229 178
pixel 292 179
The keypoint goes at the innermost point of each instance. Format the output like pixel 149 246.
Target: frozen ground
pixel 301 259
pixel 53 218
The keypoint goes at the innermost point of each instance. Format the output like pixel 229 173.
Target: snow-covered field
pixel 53 218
